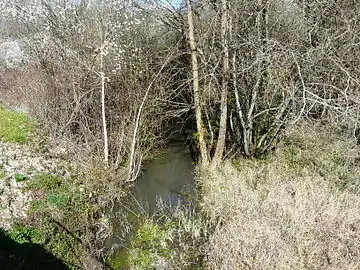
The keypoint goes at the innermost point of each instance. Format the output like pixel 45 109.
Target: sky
pixel 174 3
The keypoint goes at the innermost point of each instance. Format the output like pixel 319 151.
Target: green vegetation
pixel 23 234
pixel 45 181
pixel 19 177
pixel 229 79
pixel 62 213
pixel 14 126
pixel 148 242
pixel 174 240
pixel 2 173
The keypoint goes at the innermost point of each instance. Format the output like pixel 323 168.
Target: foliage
pixel 14 126
pixel 22 234
pixel 19 177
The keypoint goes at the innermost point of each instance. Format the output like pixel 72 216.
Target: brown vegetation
pixel 296 210
pixel 114 80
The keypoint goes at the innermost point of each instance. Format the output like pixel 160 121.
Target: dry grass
pixel 295 210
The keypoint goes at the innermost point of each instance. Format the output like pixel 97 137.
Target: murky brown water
pixel 165 183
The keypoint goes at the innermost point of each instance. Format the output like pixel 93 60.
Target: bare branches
pixel 131 175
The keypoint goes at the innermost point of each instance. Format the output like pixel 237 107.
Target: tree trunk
pixel 103 113
pixel 219 151
pixel 196 89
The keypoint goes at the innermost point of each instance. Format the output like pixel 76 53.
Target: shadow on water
pixel 14 256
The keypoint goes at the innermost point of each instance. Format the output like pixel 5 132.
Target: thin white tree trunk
pixel 103 111
pixel 131 175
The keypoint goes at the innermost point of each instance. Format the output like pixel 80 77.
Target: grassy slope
pixel 57 198
pixel 14 127
pixel 298 209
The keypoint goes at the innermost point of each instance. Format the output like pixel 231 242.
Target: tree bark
pixel 220 146
pixel 196 88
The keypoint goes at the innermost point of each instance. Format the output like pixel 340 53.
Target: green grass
pixel 14 126
pixel 45 181
pixel 60 200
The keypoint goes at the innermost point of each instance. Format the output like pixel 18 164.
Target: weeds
pixel 45 181
pixel 19 177
pixel 168 241
pixel 22 234
pixel 63 213
pixel 14 127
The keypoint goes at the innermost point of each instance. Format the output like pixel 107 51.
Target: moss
pixel 14 127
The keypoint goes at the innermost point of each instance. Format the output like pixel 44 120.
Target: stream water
pixel 165 183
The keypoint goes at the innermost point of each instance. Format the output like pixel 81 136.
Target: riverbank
pixel 67 209
pixel 42 196
pixel 297 208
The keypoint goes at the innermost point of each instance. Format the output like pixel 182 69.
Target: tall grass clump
pixel 164 240
pixel 298 209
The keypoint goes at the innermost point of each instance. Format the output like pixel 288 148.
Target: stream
pixel 165 184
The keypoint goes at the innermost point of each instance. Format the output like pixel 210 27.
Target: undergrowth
pixel 296 209
pixel 164 241
pixel 62 212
